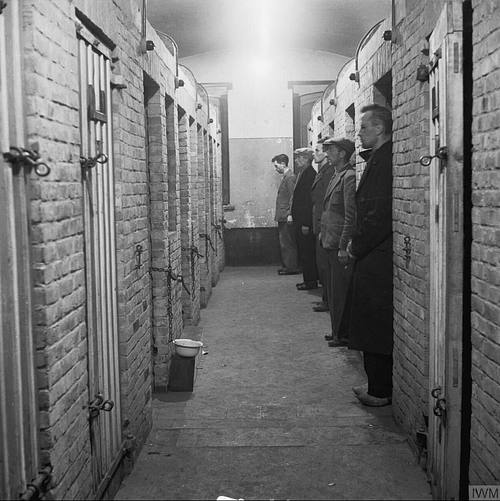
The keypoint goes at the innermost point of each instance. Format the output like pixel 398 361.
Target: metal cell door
pixel 100 259
pixel 19 440
pixel 446 251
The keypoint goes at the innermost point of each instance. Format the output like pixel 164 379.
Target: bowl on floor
pixel 187 347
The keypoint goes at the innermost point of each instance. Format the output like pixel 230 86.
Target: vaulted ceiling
pixel 201 26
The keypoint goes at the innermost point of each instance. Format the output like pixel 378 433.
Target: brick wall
pixel 379 62
pixel 411 215
pixel 57 225
pixel 159 177
pixel 485 280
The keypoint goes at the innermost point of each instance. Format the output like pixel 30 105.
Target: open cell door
pixel 446 251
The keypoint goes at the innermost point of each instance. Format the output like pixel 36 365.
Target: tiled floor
pixel 272 414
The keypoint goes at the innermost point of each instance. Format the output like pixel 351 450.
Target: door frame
pixel 446 252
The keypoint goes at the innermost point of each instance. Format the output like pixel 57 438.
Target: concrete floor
pixel 272 414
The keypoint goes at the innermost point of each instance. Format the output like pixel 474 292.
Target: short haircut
pixel 281 159
pixel 379 115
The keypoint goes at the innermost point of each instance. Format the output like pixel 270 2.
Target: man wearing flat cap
pixel 337 225
pixel 318 190
pixel 301 215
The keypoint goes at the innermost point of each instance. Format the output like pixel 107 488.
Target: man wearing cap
pixel 286 232
pixel 318 190
pixel 301 216
pixel 337 225
pixel 371 308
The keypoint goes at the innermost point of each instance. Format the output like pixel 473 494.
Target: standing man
pixel 318 190
pixel 337 225
pixel 370 321
pixel 301 217
pixel 286 232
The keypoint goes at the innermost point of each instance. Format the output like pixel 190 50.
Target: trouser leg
pixel 378 368
pixel 306 245
pixel 322 264
pixel 339 283
pixel 288 246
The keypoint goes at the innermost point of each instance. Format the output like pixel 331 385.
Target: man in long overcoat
pixel 301 216
pixel 371 305
pixel 286 232
pixel 318 190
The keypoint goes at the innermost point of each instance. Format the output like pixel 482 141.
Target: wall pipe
pixel 176 49
pixel 338 78
pixel 323 95
pixel 363 40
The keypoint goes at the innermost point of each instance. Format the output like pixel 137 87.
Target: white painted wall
pixel 260 108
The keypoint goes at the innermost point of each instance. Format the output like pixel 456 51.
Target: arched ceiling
pixel 200 26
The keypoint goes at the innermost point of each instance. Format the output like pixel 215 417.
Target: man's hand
pixel 305 230
pixel 343 257
pixel 289 219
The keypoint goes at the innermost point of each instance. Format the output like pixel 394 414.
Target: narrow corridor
pixel 272 414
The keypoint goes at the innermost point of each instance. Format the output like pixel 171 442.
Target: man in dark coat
pixel 318 190
pixel 286 232
pixel 301 217
pixel 371 307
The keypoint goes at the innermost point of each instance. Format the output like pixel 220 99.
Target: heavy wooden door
pixel 446 252
pixel 19 442
pixel 100 259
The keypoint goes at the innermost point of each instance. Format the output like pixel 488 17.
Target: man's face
pixel 334 155
pixel 318 155
pixel 368 132
pixel 301 161
pixel 280 167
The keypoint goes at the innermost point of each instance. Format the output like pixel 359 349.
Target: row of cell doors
pixel 20 462
pixel 19 457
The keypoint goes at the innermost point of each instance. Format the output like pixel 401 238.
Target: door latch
pixel 442 154
pixel 28 158
pixel 440 407
pixel 99 404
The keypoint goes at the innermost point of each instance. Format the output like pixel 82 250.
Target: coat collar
pixel 374 159
pixel 337 178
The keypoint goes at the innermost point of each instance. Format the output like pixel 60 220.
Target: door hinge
pixel 39 486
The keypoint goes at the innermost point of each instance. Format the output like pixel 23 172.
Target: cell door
pixel 100 259
pixel 446 251
pixel 19 439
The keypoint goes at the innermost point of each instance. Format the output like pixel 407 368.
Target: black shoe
pixel 335 343
pixel 307 286
pixel 286 271
pixel 328 337
pixel 321 307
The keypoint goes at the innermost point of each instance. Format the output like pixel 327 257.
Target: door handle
pixel 440 407
pixel 99 404
pixel 442 154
